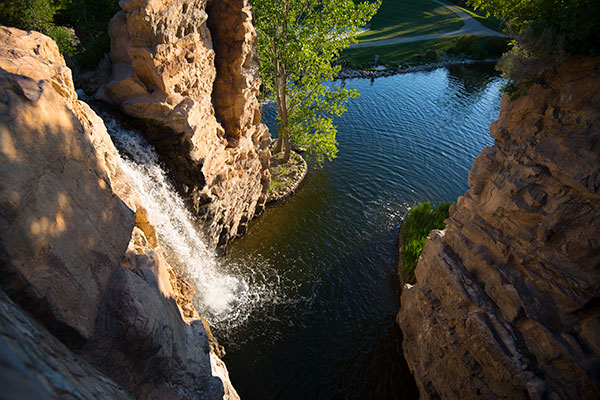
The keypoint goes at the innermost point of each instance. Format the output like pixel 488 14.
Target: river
pixel 319 323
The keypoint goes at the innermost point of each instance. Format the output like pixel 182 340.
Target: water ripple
pixel 407 139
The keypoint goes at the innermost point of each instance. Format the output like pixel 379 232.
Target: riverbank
pixel 470 26
pixel 403 69
pixel 285 176
pixel 447 50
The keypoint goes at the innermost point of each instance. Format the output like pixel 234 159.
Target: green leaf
pixel 298 41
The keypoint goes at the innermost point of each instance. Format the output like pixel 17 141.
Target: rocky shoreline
pixel 286 177
pixel 505 303
pixel 348 73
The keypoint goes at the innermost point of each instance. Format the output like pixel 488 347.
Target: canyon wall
pixel 189 69
pixel 90 306
pixel 507 299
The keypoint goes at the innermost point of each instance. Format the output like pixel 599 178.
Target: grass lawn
pixel 397 18
pixel 415 53
pixel 490 22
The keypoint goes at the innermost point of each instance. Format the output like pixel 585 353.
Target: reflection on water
pixel 331 248
pixel 470 78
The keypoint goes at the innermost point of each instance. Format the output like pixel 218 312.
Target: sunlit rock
pixel 75 255
pixel 506 300
pixel 57 203
pixel 197 87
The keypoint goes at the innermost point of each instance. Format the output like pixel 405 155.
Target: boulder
pixel 36 365
pixel 141 340
pixel 63 230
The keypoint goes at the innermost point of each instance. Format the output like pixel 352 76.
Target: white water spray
pixel 221 296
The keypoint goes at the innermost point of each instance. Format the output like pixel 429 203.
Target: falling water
pixel 225 294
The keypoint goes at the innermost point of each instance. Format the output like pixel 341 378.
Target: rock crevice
pixel 190 70
pixel 506 300
pixel 78 252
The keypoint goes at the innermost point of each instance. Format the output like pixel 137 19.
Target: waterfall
pixel 223 295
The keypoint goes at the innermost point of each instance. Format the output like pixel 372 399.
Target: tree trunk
pixel 285 119
pixel 277 147
pixel 283 97
pixel 288 146
pixel 280 135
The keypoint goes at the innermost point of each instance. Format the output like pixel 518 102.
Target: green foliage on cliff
pixel 418 223
pixel 90 20
pixel 547 32
pixel 79 27
pixel 297 44
pixel 38 15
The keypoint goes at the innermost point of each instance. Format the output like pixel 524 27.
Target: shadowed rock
pixel 203 119
pixel 506 300
pixel 74 253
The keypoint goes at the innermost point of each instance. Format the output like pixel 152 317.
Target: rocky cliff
pixel 506 303
pixel 189 69
pixel 92 308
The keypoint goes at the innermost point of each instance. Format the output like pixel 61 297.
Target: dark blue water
pixel 327 328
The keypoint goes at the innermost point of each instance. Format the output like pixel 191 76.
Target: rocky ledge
pixel 93 309
pixel 506 303
pixel 286 176
pixel 188 69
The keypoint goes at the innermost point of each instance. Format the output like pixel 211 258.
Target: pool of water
pixel 327 255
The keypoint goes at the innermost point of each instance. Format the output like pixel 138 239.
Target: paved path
pixel 471 27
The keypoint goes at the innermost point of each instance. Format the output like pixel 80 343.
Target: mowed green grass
pixel 490 22
pixel 397 18
pixel 363 57
pixel 413 53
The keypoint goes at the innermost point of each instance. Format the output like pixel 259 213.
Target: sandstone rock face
pixel 141 339
pixel 204 119
pixel 75 254
pixel 36 365
pixel 506 300
pixel 55 246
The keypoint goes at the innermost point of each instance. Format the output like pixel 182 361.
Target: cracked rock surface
pixel 506 300
pixel 189 69
pixel 90 307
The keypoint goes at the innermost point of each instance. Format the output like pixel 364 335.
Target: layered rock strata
pixel 506 303
pixel 197 89
pixel 78 252
pixel 36 365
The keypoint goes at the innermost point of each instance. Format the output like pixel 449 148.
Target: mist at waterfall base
pixel 330 249
pixel 305 302
pixel 225 294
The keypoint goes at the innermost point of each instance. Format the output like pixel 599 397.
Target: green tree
pixel 90 20
pixel 546 32
pixel 298 40
pixel 37 15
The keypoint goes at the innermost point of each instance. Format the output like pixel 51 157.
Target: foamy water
pixel 223 295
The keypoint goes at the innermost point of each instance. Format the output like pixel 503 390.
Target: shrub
pixel 465 44
pixel 65 39
pixel 547 32
pixel 418 223
pixel 90 20
pixel 28 15
pixel 79 27
pixel 479 47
